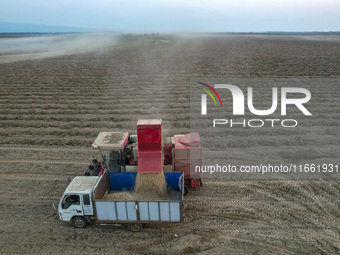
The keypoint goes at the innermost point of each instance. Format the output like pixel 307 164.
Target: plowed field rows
pixel 52 109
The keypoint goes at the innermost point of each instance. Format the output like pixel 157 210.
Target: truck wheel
pixel 79 222
pixel 135 227
pixel 186 190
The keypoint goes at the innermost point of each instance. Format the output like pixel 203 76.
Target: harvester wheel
pixel 186 190
pixel 79 222
pixel 135 227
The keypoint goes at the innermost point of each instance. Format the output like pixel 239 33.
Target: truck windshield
pixel 70 200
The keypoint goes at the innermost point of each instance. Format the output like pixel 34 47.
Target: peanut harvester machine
pixel 149 152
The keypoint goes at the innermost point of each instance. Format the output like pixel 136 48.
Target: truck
pixel 82 202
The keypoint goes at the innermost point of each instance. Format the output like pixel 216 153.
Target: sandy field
pixel 53 106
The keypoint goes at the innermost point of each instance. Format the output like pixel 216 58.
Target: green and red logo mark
pixel 204 96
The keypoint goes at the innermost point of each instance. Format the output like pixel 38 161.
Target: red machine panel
pixel 150 156
pixel 188 146
pixel 188 154
pixel 188 167
pixel 149 133
pixel 191 139
pixel 150 161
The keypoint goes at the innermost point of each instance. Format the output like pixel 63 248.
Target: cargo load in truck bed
pixel 127 206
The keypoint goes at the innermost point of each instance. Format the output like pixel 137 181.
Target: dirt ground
pixel 51 110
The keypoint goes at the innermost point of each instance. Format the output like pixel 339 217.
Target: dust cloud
pixel 33 47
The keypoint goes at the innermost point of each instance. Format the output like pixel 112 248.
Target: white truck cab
pixel 76 203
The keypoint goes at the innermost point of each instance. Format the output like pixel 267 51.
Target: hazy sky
pixel 178 15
